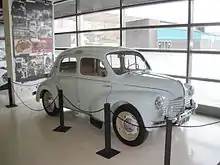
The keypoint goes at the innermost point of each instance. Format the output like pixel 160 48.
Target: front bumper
pixel 181 119
pixel 184 117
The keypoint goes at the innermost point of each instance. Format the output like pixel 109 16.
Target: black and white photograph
pixel 32 38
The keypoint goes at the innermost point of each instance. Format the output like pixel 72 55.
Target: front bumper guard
pixel 179 120
pixel 186 114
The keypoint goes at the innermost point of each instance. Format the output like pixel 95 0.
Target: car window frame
pixel 60 61
pixel 126 51
pixel 91 76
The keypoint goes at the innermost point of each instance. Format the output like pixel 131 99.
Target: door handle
pixel 106 85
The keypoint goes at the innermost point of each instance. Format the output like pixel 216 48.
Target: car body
pixel 140 98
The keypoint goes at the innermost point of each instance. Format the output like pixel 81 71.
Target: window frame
pixel 94 58
pixel 127 51
pixel 61 59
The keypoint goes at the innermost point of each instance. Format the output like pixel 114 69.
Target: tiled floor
pixel 26 138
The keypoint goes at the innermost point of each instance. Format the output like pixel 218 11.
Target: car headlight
pixel 161 103
pixel 190 89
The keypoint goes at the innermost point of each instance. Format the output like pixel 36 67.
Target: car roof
pixel 98 51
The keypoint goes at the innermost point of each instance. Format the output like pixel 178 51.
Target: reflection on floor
pixel 26 138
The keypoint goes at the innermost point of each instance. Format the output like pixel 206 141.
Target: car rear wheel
pixel 129 126
pixel 49 104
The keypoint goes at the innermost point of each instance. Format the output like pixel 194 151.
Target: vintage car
pixel 22 45
pixel 139 98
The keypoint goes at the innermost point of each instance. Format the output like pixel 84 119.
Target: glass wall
pixel 172 35
pixel 173 13
pixel 100 20
pixel 156 38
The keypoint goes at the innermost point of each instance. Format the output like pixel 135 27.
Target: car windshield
pixel 127 61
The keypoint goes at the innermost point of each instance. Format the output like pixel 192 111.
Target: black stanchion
pixel 10 95
pixel 168 140
pixel 107 152
pixel 61 127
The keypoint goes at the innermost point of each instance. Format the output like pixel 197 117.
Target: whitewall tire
pixel 49 104
pixel 132 134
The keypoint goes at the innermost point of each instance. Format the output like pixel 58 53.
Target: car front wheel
pixel 129 126
pixel 49 104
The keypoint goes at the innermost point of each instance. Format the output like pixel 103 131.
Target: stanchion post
pixel 61 127
pixel 10 95
pixel 107 152
pixel 168 141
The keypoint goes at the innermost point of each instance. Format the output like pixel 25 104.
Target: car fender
pixel 145 107
pixel 50 86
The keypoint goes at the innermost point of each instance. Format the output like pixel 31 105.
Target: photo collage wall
pixel 32 38
pixel 3 70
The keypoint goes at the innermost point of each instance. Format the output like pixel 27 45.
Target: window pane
pixel 57 52
pixel 160 38
pixel 65 8
pixel 133 2
pixel 134 62
pixel 207 93
pixel 65 24
pixel 105 38
pixel 206 66
pixel 168 63
pixel 207 38
pixel 68 65
pixel 114 61
pixel 65 40
pixel 100 20
pixel 92 67
pixel 206 11
pixel 93 5
pixel 173 13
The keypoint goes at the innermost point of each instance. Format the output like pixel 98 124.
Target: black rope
pixel 80 110
pixel 91 112
pixel 186 126
pixel 26 84
pixel 32 109
pixel 197 126
pixel 138 125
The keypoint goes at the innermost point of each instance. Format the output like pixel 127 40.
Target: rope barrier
pixel 186 126
pixel 32 109
pixel 90 112
pixel 26 84
pixel 197 126
pixel 102 109
pixel 84 111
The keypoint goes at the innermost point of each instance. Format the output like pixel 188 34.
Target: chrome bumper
pixel 184 117
pixel 181 119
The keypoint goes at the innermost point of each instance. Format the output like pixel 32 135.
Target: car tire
pixel 122 132
pixel 46 100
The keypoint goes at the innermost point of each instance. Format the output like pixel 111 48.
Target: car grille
pixel 177 104
pixel 180 103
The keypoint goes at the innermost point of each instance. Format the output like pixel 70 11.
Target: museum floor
pixel 26 138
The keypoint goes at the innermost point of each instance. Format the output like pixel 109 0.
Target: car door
pixel 67 78
pixel 93 83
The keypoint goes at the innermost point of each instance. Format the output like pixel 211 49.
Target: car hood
pixel 155 81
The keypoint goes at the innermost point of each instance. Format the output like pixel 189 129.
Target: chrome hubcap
pixel 126 125
pixel 48 102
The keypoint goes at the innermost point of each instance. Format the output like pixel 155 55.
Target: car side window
pixel 68 65
pixel 92 67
